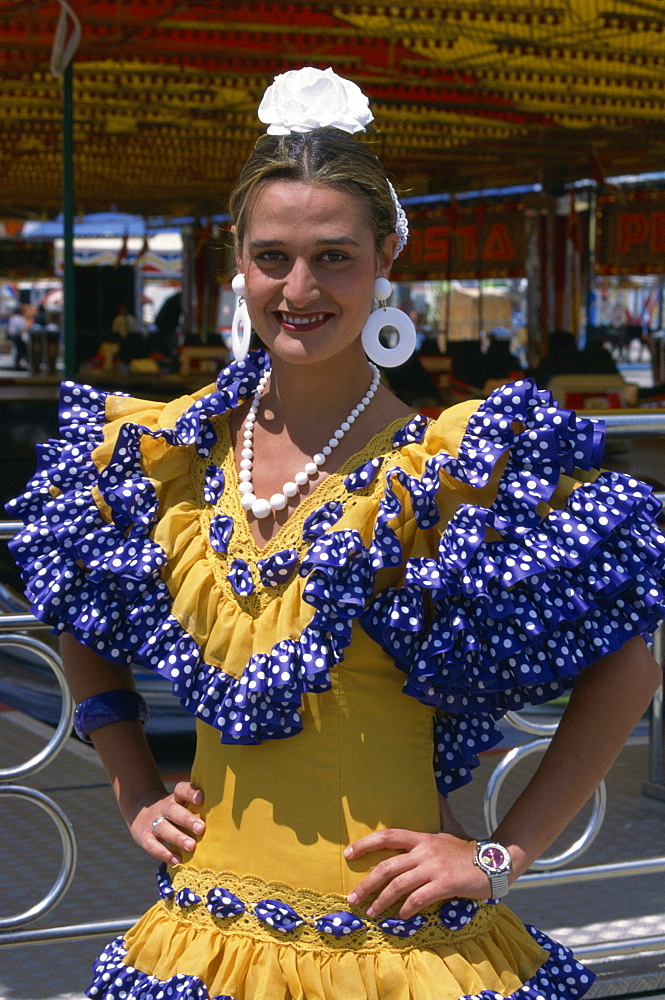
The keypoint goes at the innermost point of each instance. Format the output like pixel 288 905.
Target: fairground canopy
pixel 466 94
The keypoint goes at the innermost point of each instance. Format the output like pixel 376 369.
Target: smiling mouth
pixel 297 321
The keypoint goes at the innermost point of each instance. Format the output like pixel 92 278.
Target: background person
pixel 563 358
pixel 52 342
pixel 123 323
pixel 17 333
pixel 38 340
pixel 131 343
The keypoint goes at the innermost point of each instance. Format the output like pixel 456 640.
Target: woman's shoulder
pixel 108 417
pixel 467 440
pixel 416 437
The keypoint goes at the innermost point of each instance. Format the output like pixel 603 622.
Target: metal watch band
pixel 499 884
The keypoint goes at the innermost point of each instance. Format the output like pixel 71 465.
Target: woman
pixel 278 583
pixel 17 332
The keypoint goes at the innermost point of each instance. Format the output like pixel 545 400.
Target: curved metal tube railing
pixel 34 764
pixel 631 423
pixel 64 727
pixel 495 783
pixel 69 854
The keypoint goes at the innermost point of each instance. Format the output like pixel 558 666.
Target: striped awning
pixel 466 94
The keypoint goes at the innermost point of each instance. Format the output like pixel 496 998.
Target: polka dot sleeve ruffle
pixel 91 566
pixel 86 554
pixel 61 519
pixel 519 595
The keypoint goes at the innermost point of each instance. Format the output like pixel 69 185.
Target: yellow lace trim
pixel 310 906
pixel 242 544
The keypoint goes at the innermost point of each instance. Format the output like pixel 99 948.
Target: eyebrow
pixel 337 241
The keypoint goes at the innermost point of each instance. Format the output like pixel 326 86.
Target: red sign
pixel 479 242
pixel 630 235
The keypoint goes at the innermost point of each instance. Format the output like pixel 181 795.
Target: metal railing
pixel 36 763
pixel 630 423
pixel 544 873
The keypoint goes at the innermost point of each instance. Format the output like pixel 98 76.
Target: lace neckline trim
pixel 332 487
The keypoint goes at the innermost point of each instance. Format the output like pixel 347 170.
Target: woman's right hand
pixel 177 827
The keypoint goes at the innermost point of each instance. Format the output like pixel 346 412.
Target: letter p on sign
pixel 633 229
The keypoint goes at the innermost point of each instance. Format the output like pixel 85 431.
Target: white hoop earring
pixel 241 332
pixel 388 317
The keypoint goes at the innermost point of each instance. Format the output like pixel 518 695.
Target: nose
pixel 300 287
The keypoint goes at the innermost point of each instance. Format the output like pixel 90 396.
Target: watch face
pixel 493 857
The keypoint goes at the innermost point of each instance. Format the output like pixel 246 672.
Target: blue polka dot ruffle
pixel 323 518
pixel 412 432
pixel 240 577
pixel 516 618
pixel 277 568
pixel 221 529
pixel 282 918
pixel 213 484
pixel 479 628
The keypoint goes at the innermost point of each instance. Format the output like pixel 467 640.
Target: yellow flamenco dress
pixel 452 571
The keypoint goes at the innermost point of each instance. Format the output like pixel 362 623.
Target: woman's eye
pixel 269 256
pixel 334 256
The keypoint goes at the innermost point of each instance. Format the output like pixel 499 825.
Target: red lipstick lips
pixel 302 322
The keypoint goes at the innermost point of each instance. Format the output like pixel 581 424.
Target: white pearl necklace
pixel 278 501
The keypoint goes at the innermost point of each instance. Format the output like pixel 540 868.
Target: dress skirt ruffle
pixel 506 961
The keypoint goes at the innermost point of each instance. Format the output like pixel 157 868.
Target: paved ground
pixel 115 881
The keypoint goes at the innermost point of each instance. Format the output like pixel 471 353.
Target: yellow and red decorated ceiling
pixel 467 94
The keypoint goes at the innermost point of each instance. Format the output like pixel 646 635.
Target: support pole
pixel 68 315
pixel 591 309
pixel 654 788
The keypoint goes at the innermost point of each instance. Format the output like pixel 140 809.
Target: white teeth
pixel 302 320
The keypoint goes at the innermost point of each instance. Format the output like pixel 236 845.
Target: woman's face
pixel 310 263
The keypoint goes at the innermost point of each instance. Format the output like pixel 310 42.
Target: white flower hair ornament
pixel 302 100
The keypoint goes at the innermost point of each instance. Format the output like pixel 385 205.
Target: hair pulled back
pixel 322 156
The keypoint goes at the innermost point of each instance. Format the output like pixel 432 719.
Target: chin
pixel 311 350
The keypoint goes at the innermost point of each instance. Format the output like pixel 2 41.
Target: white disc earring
pixel 241 327
pixel 387 317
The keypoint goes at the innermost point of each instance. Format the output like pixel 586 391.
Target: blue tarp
pixel 100 225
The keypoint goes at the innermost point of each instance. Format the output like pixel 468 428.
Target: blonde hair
pixel 323 156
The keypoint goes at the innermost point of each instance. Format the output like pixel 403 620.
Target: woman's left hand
pixel 431 867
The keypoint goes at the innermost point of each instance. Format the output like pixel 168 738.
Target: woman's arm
pixel 607 701
pixel 129 763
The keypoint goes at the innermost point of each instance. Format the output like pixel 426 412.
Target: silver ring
pixel 155 823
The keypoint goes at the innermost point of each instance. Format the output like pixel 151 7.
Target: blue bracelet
pixel 119 705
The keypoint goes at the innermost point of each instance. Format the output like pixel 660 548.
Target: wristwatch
pixel 493 858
